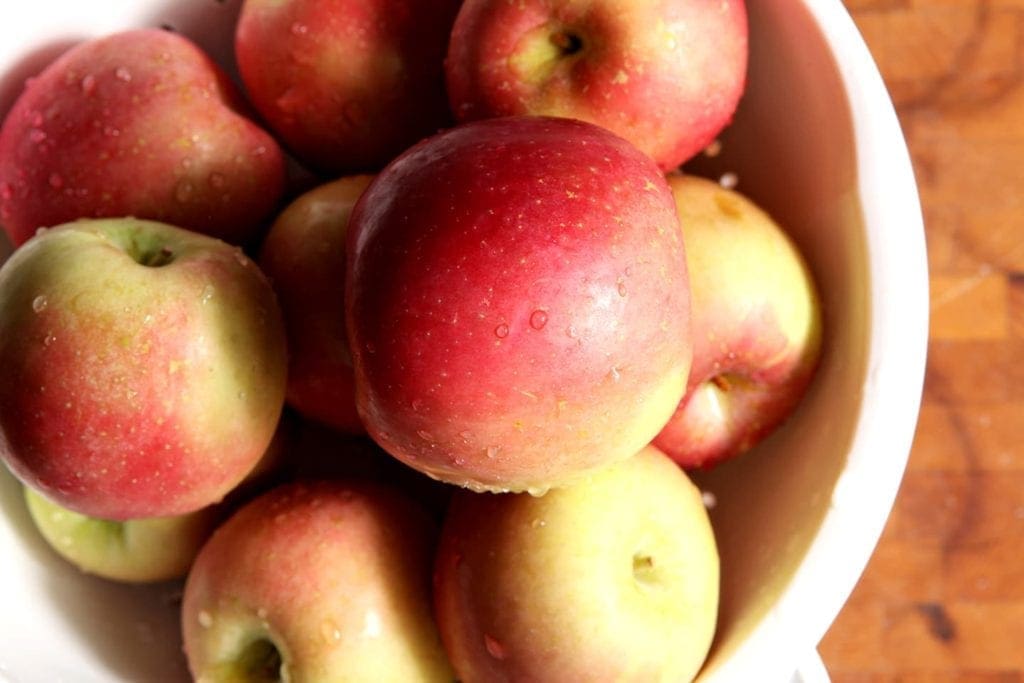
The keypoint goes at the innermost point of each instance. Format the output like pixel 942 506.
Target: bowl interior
pixel 794 528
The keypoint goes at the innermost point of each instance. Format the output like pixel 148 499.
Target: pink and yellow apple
pixel 140 123
pixel 319 581
pixel 133 551
pixel 614 578
pixel 517 303
pixel 756 320
pixel 346 84
pixel 666 75
pixel 304 256
pixel 143 367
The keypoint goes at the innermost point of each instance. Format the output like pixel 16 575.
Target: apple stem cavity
pixel 567 43
pixel 643 569
pixel 260 662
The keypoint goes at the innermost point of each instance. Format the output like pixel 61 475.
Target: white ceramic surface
pixel 817 143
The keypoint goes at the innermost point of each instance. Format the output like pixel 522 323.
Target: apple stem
pixel 567 43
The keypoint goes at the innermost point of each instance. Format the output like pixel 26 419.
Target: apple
pixel 143 367
pixel 613 578
pixel 346 84
pixel 134 551
pixel 139 123
pixel 757 325
pixel 316 581
pixel 517 303
pixel 666 75
pixel 304 256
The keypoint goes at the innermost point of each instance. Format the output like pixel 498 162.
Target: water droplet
pixel 425 435
pixel 465 435
pixel 183 191
pixel 217 180
pixel 622 288
pixel 492 451
pixel 728 180
pixel 39 303
pixel 370 347
pixel 241 258
pixel 538 319
pixel 49 339
pixel 501 331
pixel 417 405
pixel 299 29
pixel 494 648
pixel 538 523
pixel 572 332
pixel 205 618
pixel 207 293
pixel 88 84
pixel 56 182
pixel 537 491
pixel 123 74
pixel 330 631
pixel 261 613
pixel 709 499
pixel 111 132
pixel 260 150
pixel 614 374
pixel 35 135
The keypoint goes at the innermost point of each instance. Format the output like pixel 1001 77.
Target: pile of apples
pixel 400 351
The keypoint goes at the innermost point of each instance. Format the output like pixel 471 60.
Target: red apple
pixel 324 581
pixel 141 123
pixel 143 367
pixel 517 303
pixel 614 578
pixel 133 551
pixel 666 75
pixel 757 325
pixel 304 256
pixel 346 84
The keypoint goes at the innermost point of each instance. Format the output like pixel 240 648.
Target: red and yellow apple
pixel 140 123
pixel 757 325
pixel 304 256
pixel 346 84
pixel 666 75
pixel 134 551
pixel 517 303
pixel 143 367
pixel 317 581
pixel 614 578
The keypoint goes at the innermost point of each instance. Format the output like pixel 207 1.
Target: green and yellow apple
pixel 139 123
pixel 614 578
pixel 316 582
pixel 134 551
pixel 346 84
pixel 517 303
pixel 304 256
pixel 757 325
pixel 143 367
pixel 666 75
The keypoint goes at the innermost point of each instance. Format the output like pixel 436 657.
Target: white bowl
pixel 817 143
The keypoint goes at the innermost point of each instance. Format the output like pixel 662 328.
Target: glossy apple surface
pixel 346 84
pixel 667 75
pixel 143 367
pixel 757 325
pixel 324 581
pixel 139 123
pixel 134 551
pixel 304 256
pixel 517 303
pixel 613 578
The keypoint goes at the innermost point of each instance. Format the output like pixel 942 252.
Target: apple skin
pixel 615 578
pixel 757 325
pixel 132 391
pixel 132 551
pixel 666 75
pixel 346 84
pixel 304 256
pixel 139 123
pixel 517 303
pixel 326 581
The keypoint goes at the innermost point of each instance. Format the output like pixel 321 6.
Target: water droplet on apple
pixel 49 339
pixel 330 631
pixel 501 331
pixel 538 319
pixel 538 523
pixel 241 258
pixel 614 374
pixel 111 131
pixel 39 304
pixel 571 332
pixel 466 435
pixel 205 618
pixel 494 648
pixel 492 451
pixel 299 29
pixel 123 74
pixel 88 84
pixel 709 499
pixel 207 294
pixel 537 491
pixel 425 435
pixel 36 136
pixel 622 288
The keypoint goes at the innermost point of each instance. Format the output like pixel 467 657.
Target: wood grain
pixel 942 599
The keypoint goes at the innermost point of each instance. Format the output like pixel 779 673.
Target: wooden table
pixel 943 597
